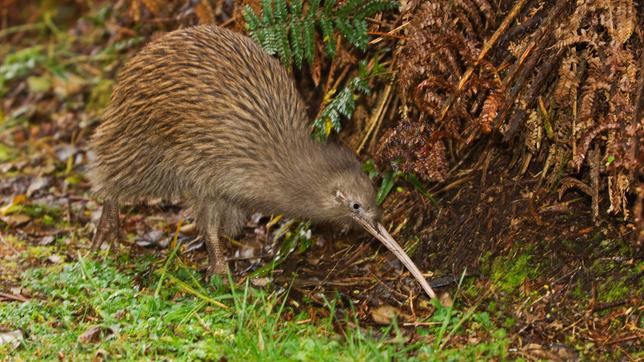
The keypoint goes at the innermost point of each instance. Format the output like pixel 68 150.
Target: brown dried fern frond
pixel 490 110
pixel 534 132
pixel 443 38
pixel 156 7
pixel 623 20
pixel 578 58
pixel 568 83
pixel 204 12
pixel 167 15
pixel 595 85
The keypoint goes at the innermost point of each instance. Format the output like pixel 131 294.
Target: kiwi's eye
pixel 355 206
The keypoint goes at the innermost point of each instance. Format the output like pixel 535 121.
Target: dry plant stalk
pixel 561 79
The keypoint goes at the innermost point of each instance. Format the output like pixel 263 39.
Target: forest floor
pixel 517 281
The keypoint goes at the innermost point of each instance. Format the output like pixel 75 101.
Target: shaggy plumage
pixel 205 116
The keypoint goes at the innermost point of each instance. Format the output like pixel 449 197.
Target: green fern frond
pixel 289 31
pixel 284 29
pixel 328 7
pixel 308 40
pixel 281 14
pixel 369 8
pixel 297 41
pixel 344 103
pixel 361 40
pixel 252 21
pixel 326 25
pixel 348 8
pixel 283 47
pixel 267 11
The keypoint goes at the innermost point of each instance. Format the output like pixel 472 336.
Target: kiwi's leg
pixel 108 226
pixel 216 257
pixel 209 219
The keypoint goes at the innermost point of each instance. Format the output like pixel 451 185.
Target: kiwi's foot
pixel 218 267
pixel 108 226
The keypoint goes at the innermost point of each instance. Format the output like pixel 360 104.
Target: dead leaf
pixel 163 243
pixel 92 335
pixel 385 314
pixel 316 70
pixel 100 355
pixel 555 353
pixel 68 86
pixel 64 152
pixel 566 353
pixel 446 300
pixel 120 314
pixel 13 338
pixel 188 229
pixel 47 240
pixel 151 238
pixel 260 282
pixel 39 84
pixel 55 259
pixel 16 219
pixel 17 200
pixel 38 183
pixel 196 244
pixel 260 341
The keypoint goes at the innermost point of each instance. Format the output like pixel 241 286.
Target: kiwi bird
pixel 205 116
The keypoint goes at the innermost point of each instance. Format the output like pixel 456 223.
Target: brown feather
pixel 204 115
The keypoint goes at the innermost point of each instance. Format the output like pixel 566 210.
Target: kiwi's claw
pixel 108 226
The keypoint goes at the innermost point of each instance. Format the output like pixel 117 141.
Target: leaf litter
pixel 53 100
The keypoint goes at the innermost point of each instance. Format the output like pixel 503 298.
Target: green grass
pixel 508 273
pixel 171 314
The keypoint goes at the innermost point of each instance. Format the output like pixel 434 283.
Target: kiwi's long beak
pixel 380 233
